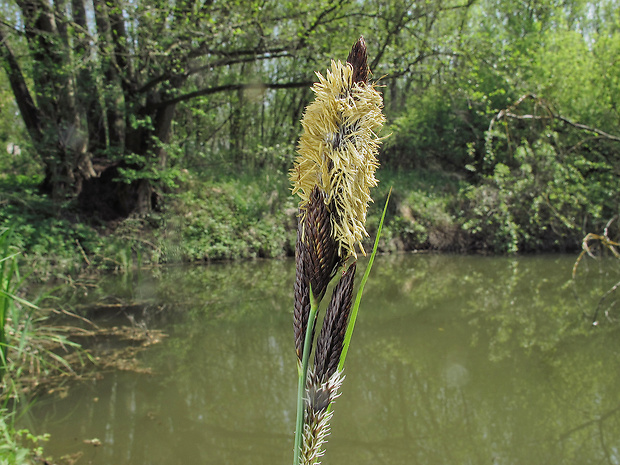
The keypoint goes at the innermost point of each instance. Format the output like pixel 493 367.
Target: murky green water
pixel 455 360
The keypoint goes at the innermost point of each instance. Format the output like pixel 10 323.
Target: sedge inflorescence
pixel 337 151
pixel 333 174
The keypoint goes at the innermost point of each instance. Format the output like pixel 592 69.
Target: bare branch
pixel 551 114
pixel 227 88
pixel 212 64
pixel 588 128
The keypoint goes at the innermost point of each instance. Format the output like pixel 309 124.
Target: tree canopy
pixel 117 97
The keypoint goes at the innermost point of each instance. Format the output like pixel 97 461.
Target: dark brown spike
pixel 331 339
pixel 302 295
pixel 322 248
pixel 317 260
pixel 358 58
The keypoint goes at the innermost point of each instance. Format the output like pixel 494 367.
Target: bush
pixel 421 211
pixel 437 131
pixel 542 201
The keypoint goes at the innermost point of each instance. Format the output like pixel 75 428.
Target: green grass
pixel 27 352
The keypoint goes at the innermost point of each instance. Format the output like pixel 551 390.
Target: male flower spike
pixel 338 147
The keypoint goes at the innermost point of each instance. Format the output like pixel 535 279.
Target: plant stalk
pixel 303 376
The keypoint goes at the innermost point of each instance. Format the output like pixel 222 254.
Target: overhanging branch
pixel 227 88
pixel 550 115
pixel 213 64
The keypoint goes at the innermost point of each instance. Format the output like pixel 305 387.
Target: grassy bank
pixel 208 218
pixel 241 216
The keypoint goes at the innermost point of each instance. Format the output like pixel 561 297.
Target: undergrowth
pixel 231 218
pixel 228 216
pixel 206 218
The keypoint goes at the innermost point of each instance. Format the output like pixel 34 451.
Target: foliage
pixel 8 271
pixel 188 102
pixel 28 345
pixel 422 211
pixel 18 447
pixel 240 217
pixel 436 132
pixel 53 239
pixel 208 219
pixel 544 190
pixel 104 79
pixel 540 168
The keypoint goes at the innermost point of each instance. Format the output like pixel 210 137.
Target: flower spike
pixel 338 147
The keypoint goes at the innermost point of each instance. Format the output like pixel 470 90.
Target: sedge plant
pixel 28 352
pixel 9 282
pixel 29 347
pixel 333 174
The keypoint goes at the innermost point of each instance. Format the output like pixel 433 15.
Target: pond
pixel 455 360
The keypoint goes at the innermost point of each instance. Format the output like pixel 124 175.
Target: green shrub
pixel 542 201
pixel 421 214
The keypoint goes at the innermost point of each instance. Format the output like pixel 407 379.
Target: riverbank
pixel 246 216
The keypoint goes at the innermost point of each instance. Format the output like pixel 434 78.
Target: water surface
pixel 455 360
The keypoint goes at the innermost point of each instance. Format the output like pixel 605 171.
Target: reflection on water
pixel 455 360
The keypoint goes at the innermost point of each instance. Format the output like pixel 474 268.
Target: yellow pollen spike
pixel 337 152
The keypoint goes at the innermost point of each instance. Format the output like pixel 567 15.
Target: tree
pixel 102 82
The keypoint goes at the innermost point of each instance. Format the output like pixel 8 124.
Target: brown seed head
pixel 358 58
pixel 317 260
pixel 331 338
pixel 322 247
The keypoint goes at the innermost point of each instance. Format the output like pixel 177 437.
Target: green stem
pixel 303 375
pixel 358 297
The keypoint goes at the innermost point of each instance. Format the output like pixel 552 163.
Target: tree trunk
pixel 25 103
pixel 67 162
pixel 103 101
pixel 88 90
pixel 112 95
